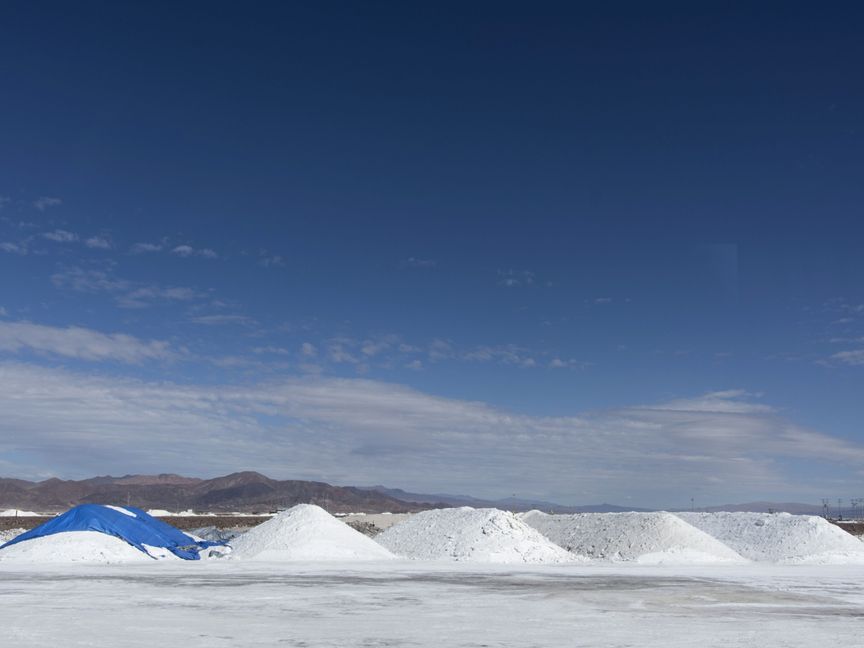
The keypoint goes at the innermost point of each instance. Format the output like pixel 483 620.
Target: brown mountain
pixel 243 491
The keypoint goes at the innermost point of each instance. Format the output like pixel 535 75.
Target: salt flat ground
pixel 229 603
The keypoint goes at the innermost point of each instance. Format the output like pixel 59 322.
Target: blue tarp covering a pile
pixel 134 526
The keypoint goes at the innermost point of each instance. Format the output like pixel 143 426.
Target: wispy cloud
pixel 854 357
pixel 189 251
pixel 45 202
pixel 61 236
pixel 223 319
pixel 507 355
pixel 143 248
pixel 127 294
pixel 515 278
pixel 415 262
pixel 268 260
pixel 80 343
pixel 98 243
pixel 13 248
pixel 355 431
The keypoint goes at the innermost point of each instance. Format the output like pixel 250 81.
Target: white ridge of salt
pixel 647 538
pixel 120 509
pixel 73 546
pixel 305 532
pixel 476 535
pixel 781 537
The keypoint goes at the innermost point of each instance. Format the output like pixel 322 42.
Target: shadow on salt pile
pixel 103 533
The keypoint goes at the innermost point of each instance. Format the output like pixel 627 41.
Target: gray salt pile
pixel 647 538
pixel 780 537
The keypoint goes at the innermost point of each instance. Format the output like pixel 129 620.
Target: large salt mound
pixel 306 532
pixel 780 537
pixel 648 538
pixel 478 535
pixel 74 546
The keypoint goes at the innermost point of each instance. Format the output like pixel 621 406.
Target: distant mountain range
pixel 508 503
pixel 250 492
pixel 244 491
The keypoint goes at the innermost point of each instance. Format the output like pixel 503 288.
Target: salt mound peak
pixel 648 538
pixel 780 537
pixel 468 534
pixel 74 546
pixel 306 532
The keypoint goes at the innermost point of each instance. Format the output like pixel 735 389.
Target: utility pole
pixel 839 511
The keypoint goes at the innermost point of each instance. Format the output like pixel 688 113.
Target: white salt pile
pixel 306 532
pixel 647 538
pixel 467 534
pixel 780 537
pixel 74 546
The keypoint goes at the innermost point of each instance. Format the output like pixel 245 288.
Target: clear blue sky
pixel 553 250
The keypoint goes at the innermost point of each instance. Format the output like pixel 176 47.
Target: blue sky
pixel 553 251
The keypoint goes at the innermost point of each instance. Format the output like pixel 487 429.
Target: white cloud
pixel 515 279
pixel 414 262
pixel 98 243
pixel 570 363
pixel 44 202
pixel 189 251
pixel 364 431
pixel 308 350
pixel 268 260
pixel 127 294
pixel 854 357
pixel 13 248
pixel 507 355
pixel 271 350
pixel 4 200
pixel 211 320
pixel 141 248
pixel 61 236
pixel 3 312
pixel 80 343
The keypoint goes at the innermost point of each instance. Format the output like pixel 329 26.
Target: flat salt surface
pixel 780 537
pixel 74 546
pixel 226 603
pixel 305 532
pixel 18 513
pixel 468 534
pixel 649 538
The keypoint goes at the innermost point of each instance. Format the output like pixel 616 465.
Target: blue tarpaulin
pixel 127 523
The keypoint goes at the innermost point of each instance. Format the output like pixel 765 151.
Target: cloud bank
pixel 364 431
